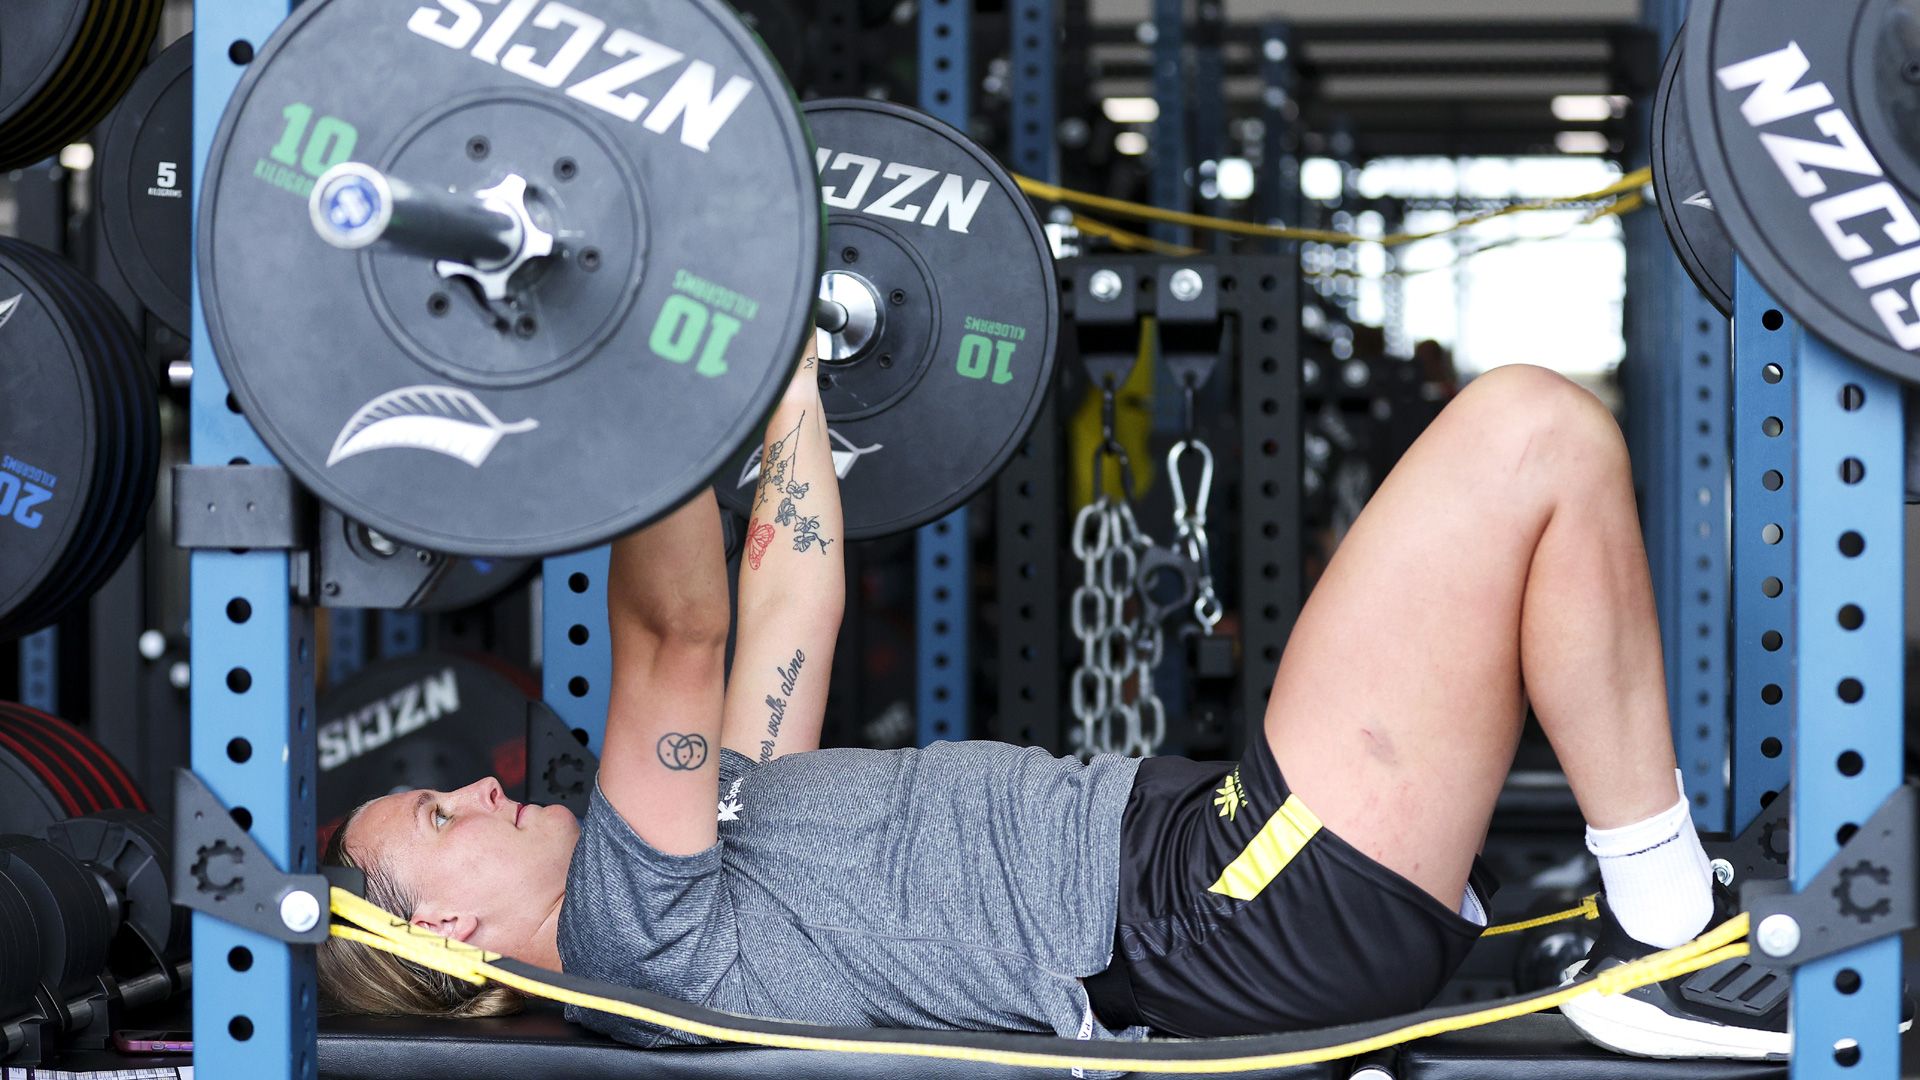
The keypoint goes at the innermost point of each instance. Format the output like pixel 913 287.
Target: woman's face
pixel 479 866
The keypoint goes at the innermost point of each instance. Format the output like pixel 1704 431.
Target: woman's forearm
pixel 793 558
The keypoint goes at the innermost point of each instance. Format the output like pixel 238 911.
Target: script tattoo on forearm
pixel 779 477
pixel 789 677
pixel 681 752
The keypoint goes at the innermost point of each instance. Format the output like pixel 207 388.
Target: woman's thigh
pixel 1398 702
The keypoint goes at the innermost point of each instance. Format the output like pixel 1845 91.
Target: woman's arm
pixel 667 614
pixel 793 583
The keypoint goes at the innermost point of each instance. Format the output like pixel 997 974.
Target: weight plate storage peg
pixel 143 180
pixel 1698 237
pixel 941 285
pixel 581 245
pixel 1802 118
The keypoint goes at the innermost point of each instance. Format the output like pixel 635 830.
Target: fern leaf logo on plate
pixel 444 419
pixel 8 306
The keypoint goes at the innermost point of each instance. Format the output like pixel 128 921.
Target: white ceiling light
pixel 1581 142
pixel 1321 179
pixel 1131 110
pixel 1130 143
pixel 1235 178
pixel 1588 108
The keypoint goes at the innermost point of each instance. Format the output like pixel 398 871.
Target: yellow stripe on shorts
pixel 1283 836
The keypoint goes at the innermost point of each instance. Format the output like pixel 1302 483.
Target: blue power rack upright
pixel 943 551
pixel 1676 382
pixel 252 742
pixel 1819 558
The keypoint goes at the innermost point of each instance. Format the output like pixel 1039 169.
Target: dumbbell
pixel 89 899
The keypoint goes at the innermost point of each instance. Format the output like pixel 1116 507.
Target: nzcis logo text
pixel 690 100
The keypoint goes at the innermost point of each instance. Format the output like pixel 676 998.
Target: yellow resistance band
pixel 369 925
pixel 1589 909
pixel 1628 185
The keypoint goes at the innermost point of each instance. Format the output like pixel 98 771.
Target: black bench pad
pixel 539 1045
pixel 1546 1047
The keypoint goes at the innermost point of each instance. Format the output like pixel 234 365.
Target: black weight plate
pixel 69 910
pixel 430 720
pixel 1686 210
pixel 19 949
pixel 939 239
pixel 113 49
pixel 28 803
pixel 469 582
pixel 106 785
pixel 145 207
pixel 1835 242
pixel 640 376
pixel 36 39
pixel 65 762
pixel 41 132
pixel 28 136
pixel 133 850
pixel 128 445
pixel 123 377
pixel 49 428
pixel 64 581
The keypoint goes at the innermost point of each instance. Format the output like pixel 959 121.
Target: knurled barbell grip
pixel 354 205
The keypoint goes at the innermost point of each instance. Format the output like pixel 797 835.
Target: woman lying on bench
pixel 1323 879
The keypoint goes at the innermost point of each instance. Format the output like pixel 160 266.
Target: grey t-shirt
pixel 962 886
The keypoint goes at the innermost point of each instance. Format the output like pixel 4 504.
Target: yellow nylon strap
pixel 1631 183
pixel 1589 909
pixel 1721 943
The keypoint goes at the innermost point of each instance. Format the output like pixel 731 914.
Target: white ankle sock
pixel 1659 882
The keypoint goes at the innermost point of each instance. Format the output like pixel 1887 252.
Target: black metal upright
pixel 1027 498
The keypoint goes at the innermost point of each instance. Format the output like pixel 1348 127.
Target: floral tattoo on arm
pixel 779 479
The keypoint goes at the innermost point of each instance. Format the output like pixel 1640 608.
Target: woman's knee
pixel 1529 419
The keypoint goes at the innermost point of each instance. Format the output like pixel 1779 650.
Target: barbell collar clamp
pixel 355 205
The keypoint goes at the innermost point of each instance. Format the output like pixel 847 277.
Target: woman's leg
pixel 1501 561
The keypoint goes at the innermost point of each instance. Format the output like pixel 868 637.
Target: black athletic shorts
pixel 1240 914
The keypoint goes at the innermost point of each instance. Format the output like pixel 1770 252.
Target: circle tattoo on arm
pixel 682 753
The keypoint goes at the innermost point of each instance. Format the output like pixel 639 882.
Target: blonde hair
pixel 357 979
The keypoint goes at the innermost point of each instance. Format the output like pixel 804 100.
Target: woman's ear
pixel 456 925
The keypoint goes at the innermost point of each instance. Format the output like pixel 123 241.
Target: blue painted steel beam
pixel 943 551
pixel 252 736
pixel 1035 36
pixel 576 658
pixel 1766 482
pixel 402 633
pixel 1699 488
pixel 40 670
pixel 1849 716
pixel 1169 147
pixel 346 643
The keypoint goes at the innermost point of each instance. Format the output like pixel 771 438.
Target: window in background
pixel 1541 287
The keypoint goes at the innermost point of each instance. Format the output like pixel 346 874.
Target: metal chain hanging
pixel 1109 617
